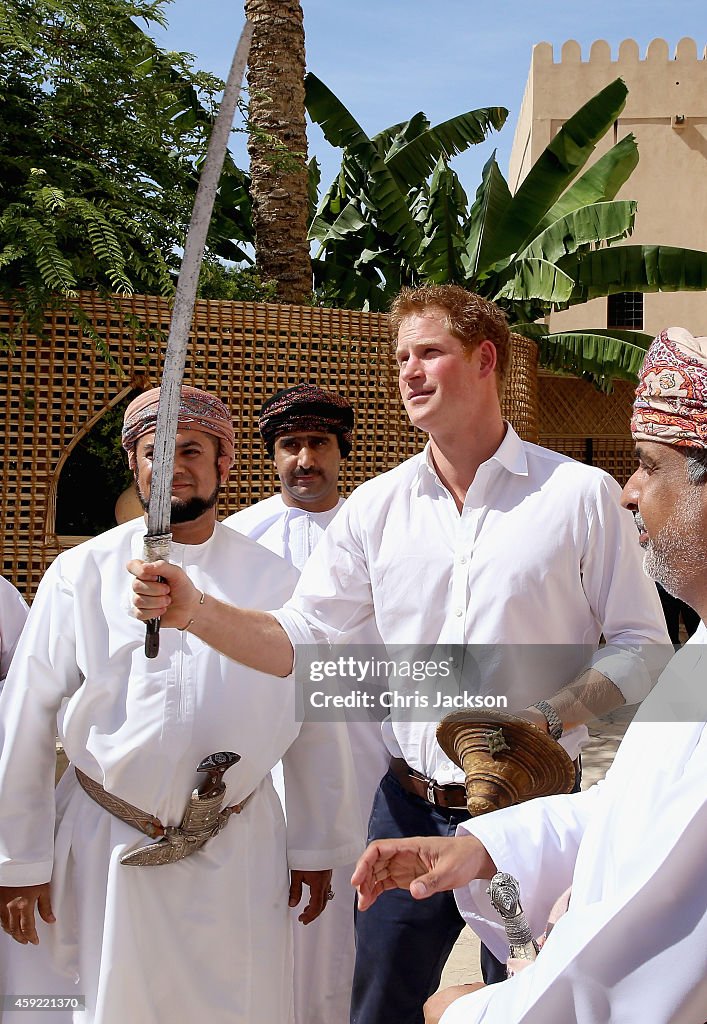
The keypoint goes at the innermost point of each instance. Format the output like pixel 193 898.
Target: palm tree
pixel 277 146
pixel 546 247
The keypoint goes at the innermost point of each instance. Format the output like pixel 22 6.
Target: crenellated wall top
pixel 657 52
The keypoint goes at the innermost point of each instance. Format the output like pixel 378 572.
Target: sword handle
pixel 152 634
pixel 154 548
pixel 152 638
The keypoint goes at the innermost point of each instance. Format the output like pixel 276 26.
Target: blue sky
pixel 387 59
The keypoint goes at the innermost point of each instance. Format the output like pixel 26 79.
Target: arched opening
pixel 92 477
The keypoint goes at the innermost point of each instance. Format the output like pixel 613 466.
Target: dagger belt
pixel 203 818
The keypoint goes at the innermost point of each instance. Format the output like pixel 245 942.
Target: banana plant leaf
pixel 598 222
pixel 399 134
pixel 537 279
pixel 349 221
pixel 599 183
pixel 635 268
pixel 314 177
pixel 413 160
pixel 595 355
pixel 440 254
pixel 492 199
pixel 341 129
pixel 352 290
pixel 553 172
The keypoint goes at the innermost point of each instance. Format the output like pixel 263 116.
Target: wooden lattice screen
pixel 58 385
pixel 575 419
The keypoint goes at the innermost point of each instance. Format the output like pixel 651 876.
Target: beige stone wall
pixel 670 182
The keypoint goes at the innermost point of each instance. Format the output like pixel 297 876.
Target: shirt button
pixel 459 612
pixel 445 765
pixel 463 560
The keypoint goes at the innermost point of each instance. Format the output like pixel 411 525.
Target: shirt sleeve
pixel 324 825
pixel 13 614
pixel 42 674
pixel 333 597
pixel 624 600
pixel 537 843
pixel 636 952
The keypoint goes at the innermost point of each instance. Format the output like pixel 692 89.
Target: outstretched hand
pixel 424 865
pixel 163 591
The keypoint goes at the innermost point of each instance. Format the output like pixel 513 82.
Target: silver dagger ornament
pixel 202 819
pixel 504 892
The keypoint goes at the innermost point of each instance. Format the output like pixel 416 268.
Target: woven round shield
pixel 506 759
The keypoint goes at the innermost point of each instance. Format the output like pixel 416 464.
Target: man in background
pixel 307 431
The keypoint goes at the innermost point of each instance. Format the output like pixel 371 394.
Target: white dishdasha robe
pixel 13 612
pixel 633 943
pixel 206 938
pixel 325 949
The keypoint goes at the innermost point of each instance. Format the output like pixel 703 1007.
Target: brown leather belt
pixel 128 813
pixel 450 798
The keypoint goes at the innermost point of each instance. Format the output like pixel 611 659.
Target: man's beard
pixel 184 511
pixel 671 557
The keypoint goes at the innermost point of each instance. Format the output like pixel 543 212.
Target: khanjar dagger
pixel 504 892
pixel 203 817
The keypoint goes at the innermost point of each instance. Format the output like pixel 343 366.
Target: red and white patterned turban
pixel 671 397
pixel 197 411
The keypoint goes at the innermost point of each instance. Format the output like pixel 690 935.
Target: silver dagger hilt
pixel 504 892
pixel 215 766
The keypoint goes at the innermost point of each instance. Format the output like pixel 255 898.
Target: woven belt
pixel 450 798
pixel 131 815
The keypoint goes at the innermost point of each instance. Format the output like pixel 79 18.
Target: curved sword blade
pixel 159 510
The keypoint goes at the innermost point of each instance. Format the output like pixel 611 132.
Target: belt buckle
pixel 431 791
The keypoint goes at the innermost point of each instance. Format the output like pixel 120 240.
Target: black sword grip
pixel 152 634
pixel 152 638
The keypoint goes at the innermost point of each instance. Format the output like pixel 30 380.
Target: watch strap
pixel 554 722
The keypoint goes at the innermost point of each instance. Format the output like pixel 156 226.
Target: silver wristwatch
pixel 554 722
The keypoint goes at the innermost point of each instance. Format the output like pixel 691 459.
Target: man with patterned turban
pixel 632 945
pixel 95 910
pixel 307 432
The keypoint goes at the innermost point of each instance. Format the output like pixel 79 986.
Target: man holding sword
pixel 124 894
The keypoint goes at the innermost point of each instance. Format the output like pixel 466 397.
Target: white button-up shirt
pixel 541 554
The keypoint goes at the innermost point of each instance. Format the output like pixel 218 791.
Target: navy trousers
pixel 402 944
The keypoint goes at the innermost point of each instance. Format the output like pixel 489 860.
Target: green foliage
pixel 94 476
pixel 376 222
pixel 239 284
pixel 394 217
pixel 104 443
pixel 101 136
